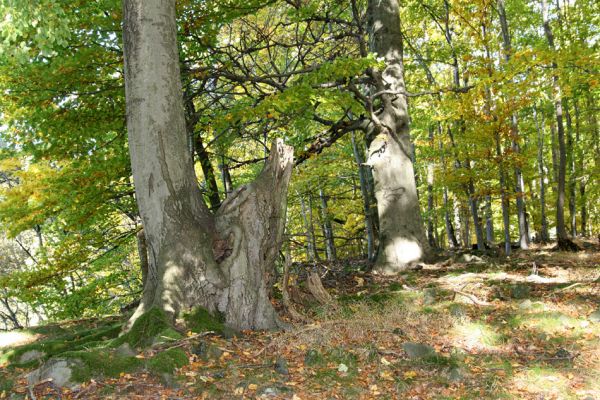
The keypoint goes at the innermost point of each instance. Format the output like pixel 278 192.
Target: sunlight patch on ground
pixel 475 335
pixel 542 381
pixel 548 322
pixel 14 338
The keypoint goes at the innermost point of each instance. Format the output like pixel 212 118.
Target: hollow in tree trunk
pixel 219 261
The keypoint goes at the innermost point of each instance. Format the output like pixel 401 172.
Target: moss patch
pixel 101 363
pixel 199 320
pixel 167 361
pixel 145 329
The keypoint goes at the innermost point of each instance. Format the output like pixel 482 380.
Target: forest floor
pixel 527 327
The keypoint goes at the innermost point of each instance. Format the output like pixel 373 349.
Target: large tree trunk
pixel 402 241
pixel 219 262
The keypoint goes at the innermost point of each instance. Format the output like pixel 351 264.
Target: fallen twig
pixel 472 297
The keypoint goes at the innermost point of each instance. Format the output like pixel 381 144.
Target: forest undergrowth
pixel 472 327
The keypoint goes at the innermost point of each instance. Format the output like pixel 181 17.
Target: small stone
pixel 455 374
pixel 470 258
pixel 343 368
pixel 418 350
pixel 218 374
pixel 229 333
pixel 520 291
pixel 429 296
pixel 268 392
pixel 31 355
pixel 125 350
pixel 526 304
pixel 200 349
pixel 281 366
pixel 312 357
pixel 595 316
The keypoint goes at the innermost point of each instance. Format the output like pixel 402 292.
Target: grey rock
pixel 281 366
pixel 519 291
pixel 125 350
pixel 312 357
pixel 455 374
pixel 418 350
pixel 429 296
pixel 470 258
pixel 31 355
pixel 595 316
pixel 268 392
pixel 60 371
pixel 526 304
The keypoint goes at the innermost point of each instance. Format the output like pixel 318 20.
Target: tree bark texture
pixel 402 240
pixel 222 261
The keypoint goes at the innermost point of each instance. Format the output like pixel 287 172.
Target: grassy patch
pixel 476 335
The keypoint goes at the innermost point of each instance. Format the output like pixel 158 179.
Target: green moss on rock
pixel 199 320
pixel 145 329
pixel 101 363
pixel 167 361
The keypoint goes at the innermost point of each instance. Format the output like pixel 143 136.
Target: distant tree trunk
pixel 212 190
pixel 430 196
pixel 521 210
pixel 489 220
pixel 327 228
pixel 544 237
pixel 450 232
pixel 402 241
pixel 311 244
pixel 226 177
pixel 368 210
pixel 581 167
pixel 564 242
pixel 572 172
pixel 223 261
pixel 143 255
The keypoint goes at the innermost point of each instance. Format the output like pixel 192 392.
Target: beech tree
pixel 220 260
pixel 402 241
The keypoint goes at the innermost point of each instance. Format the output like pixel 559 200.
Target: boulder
pixel 31 355
pixel 60 371
pixel 418 350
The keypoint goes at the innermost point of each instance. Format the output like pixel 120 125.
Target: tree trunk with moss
pixel 219 261
pixel 402 240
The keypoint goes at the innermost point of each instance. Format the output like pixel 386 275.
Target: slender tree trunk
pixel 489 220
pixel 563 238
pixel 430 195
pixel 402 240
pixel 572 172
pixel 544 237
pixel 327 228
pixel 311 244
pixel 221 262
pixel 519 190
pixel 226 177
pixel 368 210
pixel 212 190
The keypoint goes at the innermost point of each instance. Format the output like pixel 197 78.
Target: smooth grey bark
pixel 544 236
pixel 402 241
pixel 430 195
pixel 327 228
pixel 489 220
pixel 364 191
pixel 222 261
pixel 572 171
pixel 561 231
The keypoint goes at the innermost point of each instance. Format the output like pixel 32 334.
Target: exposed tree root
pixel 567 245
